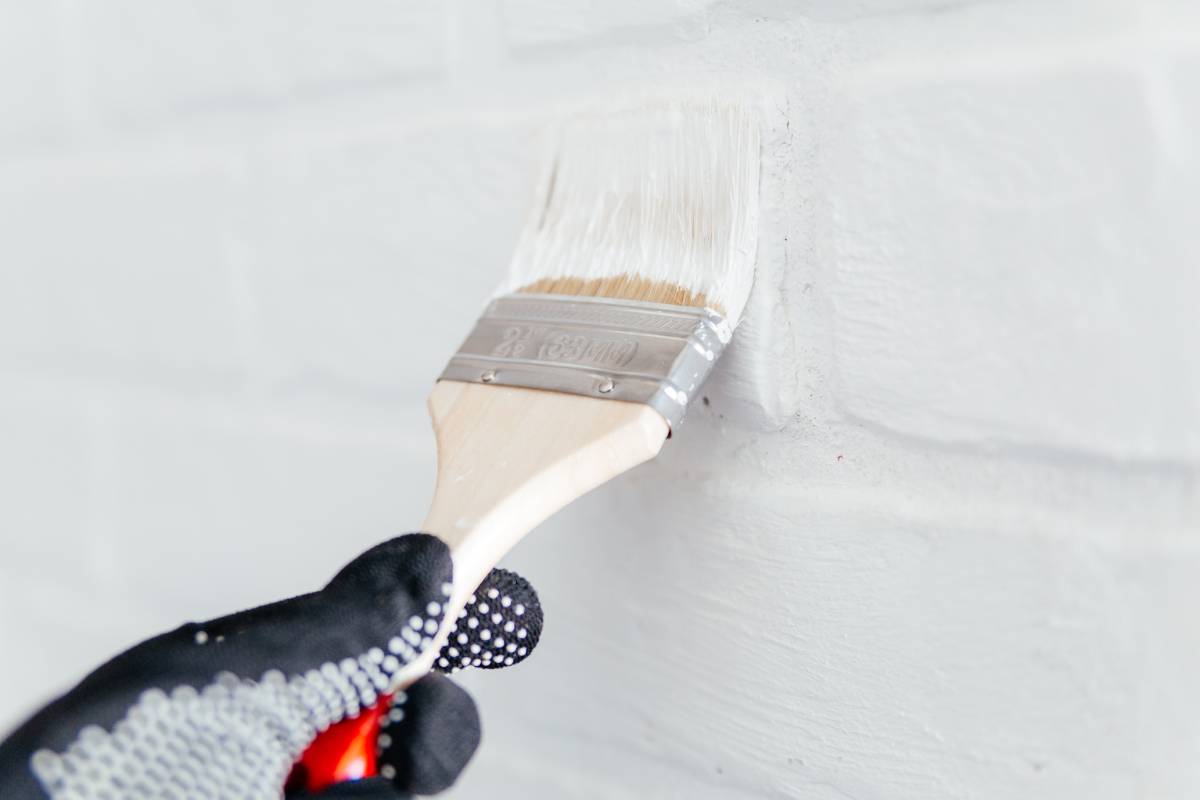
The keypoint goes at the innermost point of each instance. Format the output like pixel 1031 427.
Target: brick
pixel 881 640
pixel 531 23
pixel 1005 267
pixel 34 79
pixel 1180 93
pixel 121 270
pixel 147 64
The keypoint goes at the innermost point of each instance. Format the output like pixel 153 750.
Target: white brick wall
pixel 937 533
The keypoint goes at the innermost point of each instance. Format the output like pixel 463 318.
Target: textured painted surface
pixel 936 532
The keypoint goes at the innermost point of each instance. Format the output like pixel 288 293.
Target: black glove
pixel 224 709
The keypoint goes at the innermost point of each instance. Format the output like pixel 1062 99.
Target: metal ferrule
pixel 597 347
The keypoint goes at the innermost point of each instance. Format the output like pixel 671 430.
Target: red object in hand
pixel 345 751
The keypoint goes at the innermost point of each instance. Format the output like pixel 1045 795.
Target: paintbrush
pixel 627 282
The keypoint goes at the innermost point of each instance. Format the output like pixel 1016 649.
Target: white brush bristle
pixel 657 202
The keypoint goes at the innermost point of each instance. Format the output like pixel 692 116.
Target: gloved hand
pixel 224 709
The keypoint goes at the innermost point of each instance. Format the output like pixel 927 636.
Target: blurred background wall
pixel 935 533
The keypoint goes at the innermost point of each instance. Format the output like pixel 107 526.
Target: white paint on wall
pixel 935 533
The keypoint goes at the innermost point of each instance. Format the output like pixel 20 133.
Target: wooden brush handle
pixel 509 457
